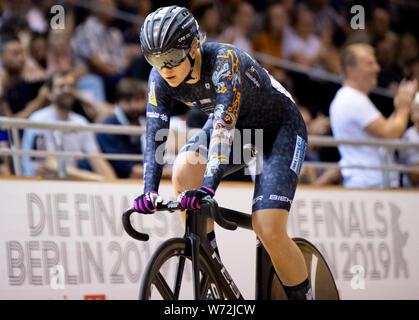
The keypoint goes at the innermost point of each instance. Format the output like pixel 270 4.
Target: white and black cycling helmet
pixel 167 35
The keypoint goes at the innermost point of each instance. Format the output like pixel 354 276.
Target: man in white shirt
pixel 62 86
pixel 353 116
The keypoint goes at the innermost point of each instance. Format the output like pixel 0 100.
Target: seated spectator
pixel 28 10
pixel 99 47
pixel 135 12
pixel 408 51
pixel 317 126
pixel 289 6
pixel 130 110
pixel 208 19
pixel 127 8
pixel 91 89
pixel 354 116
pixel 324 16
pixel 414 70
pixel 303 46
pixel 22 97
pixel 4 143
pixel 139 69
pixel 18 27
pixel 59 55
pixel 4 160
pixel 390 75
pixel 243 19
pixel 271 39
pixel 98 44
pixel 329 53
pixel 4 140
pixel 61 88
pixel 379 26
pixel 39 49
pixel 89 108
pixel 410 156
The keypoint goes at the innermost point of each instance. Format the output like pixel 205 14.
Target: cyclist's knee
pixel 270 226
pixel 180 180
pixel 187 172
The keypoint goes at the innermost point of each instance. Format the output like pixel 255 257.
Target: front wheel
pixel 172 263
pixel 319 275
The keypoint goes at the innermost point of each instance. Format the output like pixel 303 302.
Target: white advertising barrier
pixel 64 240
pixel 370 239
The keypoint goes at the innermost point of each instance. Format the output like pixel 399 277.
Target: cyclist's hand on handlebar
pixel 146 203
pixel 190 199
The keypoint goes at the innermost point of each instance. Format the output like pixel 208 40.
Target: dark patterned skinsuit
pixel 240 95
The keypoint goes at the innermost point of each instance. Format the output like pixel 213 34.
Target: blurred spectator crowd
pixel 92 70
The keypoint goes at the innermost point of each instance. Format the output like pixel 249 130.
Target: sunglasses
pixel 169 59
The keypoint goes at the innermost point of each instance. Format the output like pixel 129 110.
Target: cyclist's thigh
pixel 189 166
pixel 282 160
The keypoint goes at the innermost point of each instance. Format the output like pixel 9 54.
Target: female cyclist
pixel 237 93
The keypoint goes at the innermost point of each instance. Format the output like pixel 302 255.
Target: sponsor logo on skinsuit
pixel 152 94
pixel 299 153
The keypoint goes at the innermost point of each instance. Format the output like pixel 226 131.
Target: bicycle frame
pixel 196 233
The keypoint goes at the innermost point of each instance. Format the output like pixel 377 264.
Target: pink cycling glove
pixel 190 199
pixel 146 203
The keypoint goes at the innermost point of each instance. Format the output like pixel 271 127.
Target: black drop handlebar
pixel 209 209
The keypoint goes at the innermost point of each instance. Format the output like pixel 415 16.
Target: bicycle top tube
pixel 226 218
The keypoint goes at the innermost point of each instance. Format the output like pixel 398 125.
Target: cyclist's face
pixel 175 76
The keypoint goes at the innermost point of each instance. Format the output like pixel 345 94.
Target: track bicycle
pixel 210 278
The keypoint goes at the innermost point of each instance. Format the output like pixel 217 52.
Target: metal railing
pixel 16 152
